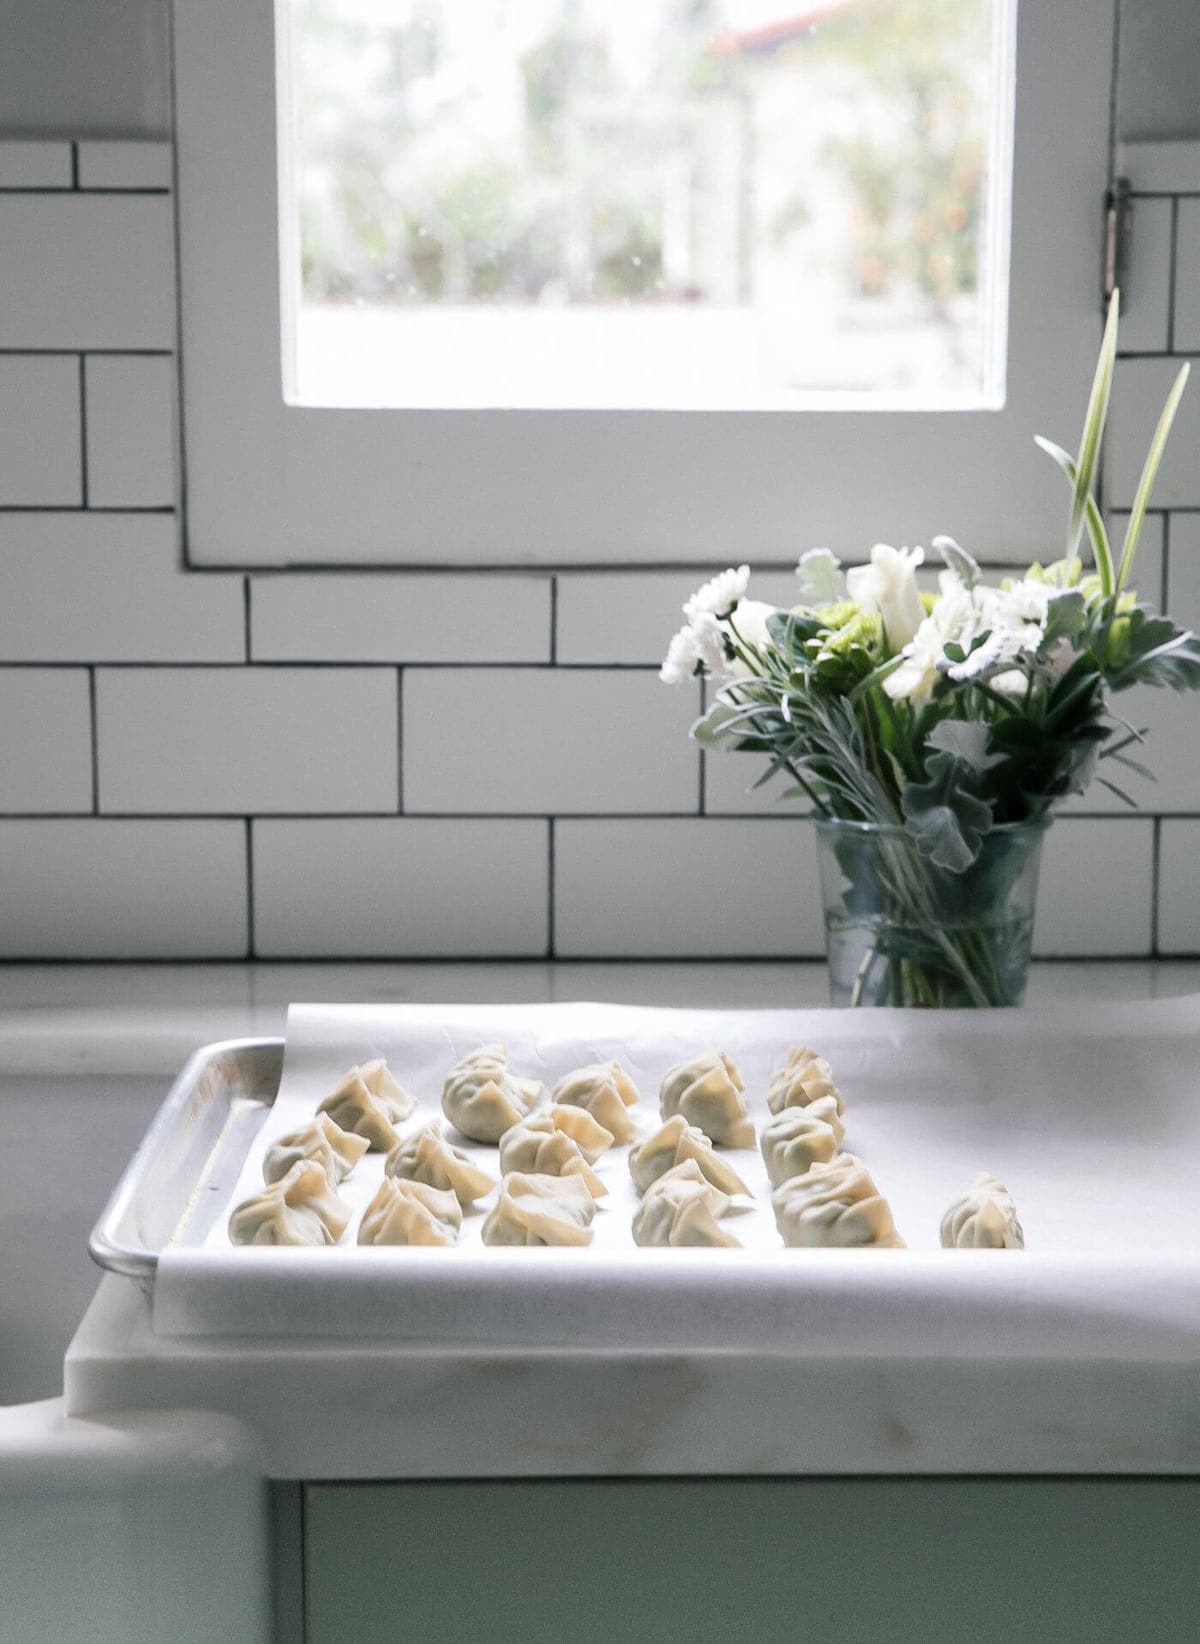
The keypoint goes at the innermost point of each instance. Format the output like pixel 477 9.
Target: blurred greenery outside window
pixel 667 203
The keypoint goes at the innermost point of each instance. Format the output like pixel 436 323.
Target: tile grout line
pixel 83 431
pixel 1171 262
pixel 95 742
pixel 551 888
pixel 251 952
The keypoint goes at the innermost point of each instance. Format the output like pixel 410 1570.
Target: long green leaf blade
pixel 1101 547
pixel 1093 425
pixel 1149 470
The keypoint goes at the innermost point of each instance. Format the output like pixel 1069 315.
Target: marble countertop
pixel 126 1019
pixel 576 1412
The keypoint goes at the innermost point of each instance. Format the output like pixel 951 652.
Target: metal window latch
pixel 1118 222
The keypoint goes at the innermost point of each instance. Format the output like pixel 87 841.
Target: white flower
pixel 953 617
pixel 887 588
pixel 683 655
pixel 750 621
pixel 719 595
pixel 821 580
pixel 711 644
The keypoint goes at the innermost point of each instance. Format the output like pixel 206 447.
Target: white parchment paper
pixel 1089 1116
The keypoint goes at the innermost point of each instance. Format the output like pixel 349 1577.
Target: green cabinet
pixel 768 1560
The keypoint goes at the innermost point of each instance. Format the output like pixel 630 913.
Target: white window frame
pixel 271 484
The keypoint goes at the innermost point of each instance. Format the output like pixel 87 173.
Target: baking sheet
pixel 1090 1118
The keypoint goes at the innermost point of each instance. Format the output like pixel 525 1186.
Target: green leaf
pixel 966 741
pixel 1101 548
pixel 1093 426
pixel 958 560
pixel 1149 470
pixel 950 835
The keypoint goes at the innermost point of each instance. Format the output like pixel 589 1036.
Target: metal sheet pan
pixel 181 1173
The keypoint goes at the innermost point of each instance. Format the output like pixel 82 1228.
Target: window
pixel 697 205
pixel 750 435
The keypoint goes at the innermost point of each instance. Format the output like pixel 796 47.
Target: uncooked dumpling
pixel 370 1103
pixel 835 1204
pixel 536 1209
pixel 707 1089
pixel 300 1208
pixel 670 1146
pixel 681 1208
pixel 577 1123
pixel 535 1147
pixel 426 1156
pixel 404 1212
pixel 604 1090
pixel 804 1078
pixel 335 1149
pixel 798 1137
pixel 482 1099
pixel 984 1218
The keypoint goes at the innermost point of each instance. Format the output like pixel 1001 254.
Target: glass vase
pixel 901 931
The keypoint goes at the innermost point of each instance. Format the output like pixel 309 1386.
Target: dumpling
pixel 797 1137
pixel 300 1208
pixel 604 1090
pixel 835 1204
pixel 707 1089
pixel 535 1209
pixel 984 1218
pixel 681 1208
pixel 405 1212
pixel 670 1146
pixel 804 1078
pixel 426 1156
pixel 536 1147
pixel 370 1103
pixel 482 1099
pixel 581 1127
pixel 335 1149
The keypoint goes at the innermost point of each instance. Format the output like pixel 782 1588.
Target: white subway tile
pixel 1170 166
pixel 124 165
pixel 729 789
pixel 686 889
pixel 86 271
pixel 1179 887
pixel 404 887
pixel 630 616
pixel 45 740
pixel 1187 279
pixel 1183 570
pixel 1146 312
pixel 399 617
pixel 1149 556
pixel 95 889
pixel 1140 389
pixel 40 434
pixel 543 740
pixel 217 740
pixel 109 588
pixel 131 433
pixel 1097 883
pixel 30 164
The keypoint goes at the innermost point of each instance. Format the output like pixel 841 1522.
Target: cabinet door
pixel 964 1561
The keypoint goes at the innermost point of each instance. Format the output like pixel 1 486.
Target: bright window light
pixel 660 204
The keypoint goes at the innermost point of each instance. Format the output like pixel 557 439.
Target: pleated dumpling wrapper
pixel 535 1147
pixel 535 1209
pixel 404 1212
pixel 370 1103
pixel 426 1156
pixel 804 1078
pixel 835 1204
pixel 984 1218
pixel 670 1146
pixel 482 1099
pixel 336 1150
pixel 300 1208
pixel 707 1090
pixel 604 1090
pixel 682 1208
pixel 797 1138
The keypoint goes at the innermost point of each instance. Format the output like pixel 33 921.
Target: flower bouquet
pixel 933 733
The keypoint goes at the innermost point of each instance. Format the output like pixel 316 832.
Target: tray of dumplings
pixel 550 1173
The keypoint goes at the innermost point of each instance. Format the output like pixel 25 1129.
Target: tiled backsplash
pixel 200 764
